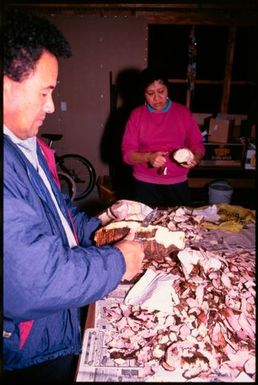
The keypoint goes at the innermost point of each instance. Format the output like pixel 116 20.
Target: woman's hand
pixel 158 159
pixel 189 163
pixel 193 162
pixel 154 159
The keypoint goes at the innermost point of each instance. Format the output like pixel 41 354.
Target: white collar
pixel 27 146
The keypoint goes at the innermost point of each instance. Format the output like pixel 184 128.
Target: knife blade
pixel 147 220
pixel 162 170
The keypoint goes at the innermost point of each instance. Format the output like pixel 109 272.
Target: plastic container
pixel 220 191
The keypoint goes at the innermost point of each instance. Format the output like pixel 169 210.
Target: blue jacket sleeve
pixel 85 225
pixel 42 275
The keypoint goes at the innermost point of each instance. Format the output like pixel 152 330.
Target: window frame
pixel 227 82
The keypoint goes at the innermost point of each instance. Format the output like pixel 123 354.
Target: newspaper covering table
pixel 95 363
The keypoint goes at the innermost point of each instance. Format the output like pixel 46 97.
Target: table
pixel 237 253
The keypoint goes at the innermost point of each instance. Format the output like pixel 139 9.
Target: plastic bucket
pixel 220 191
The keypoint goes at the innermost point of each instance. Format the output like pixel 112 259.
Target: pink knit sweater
pixel 148 131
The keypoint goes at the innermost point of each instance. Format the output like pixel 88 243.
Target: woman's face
pixel 156 95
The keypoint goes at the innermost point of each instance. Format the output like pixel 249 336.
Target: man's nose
pixel 49 107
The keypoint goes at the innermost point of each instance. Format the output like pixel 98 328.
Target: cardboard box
pixel 226 155
pixel 221 130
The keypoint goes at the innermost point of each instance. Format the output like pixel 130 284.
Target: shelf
pixel 239 178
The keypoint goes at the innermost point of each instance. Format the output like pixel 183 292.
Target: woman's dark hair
pixel 150 75
pixel 26 36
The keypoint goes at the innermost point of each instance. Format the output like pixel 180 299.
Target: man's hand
pixel 133 253
pixel 117 212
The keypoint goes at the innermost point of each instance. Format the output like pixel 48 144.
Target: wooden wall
pixel 112 37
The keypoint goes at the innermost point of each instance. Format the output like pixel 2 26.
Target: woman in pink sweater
pixel 153 132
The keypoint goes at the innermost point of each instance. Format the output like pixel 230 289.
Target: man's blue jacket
pixel 45 281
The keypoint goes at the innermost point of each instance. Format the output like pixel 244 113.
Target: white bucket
pixel 220 191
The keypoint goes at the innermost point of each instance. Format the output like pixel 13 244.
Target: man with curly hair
pixel 51 266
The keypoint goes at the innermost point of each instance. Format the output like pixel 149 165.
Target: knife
pixel 162 170
pixel 147 220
